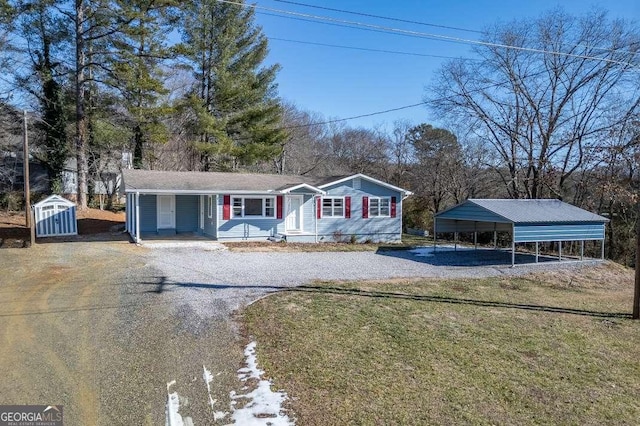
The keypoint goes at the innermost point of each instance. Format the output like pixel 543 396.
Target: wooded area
pixel 550 109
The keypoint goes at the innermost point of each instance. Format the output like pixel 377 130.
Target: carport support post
pixel 537 252
pixel 475 235
pixel 434 234
pixel 455 241
pixel 559 250
pixel 602 250
pixel 513 252
pixel 581 250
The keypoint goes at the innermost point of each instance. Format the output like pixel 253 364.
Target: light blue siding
pixel 470 211
pixel 148 214
pixel 450 225
pixel 187 211
pixel 375 229
pixel 558 232
pixel 246 229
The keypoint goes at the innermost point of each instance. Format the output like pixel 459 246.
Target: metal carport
pixel 528 221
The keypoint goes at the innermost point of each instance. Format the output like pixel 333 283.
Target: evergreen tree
pixel 46 35
pixel 234 105
pixel 138 76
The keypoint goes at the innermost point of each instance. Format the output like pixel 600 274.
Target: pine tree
pixel 234 101
pixel 138 76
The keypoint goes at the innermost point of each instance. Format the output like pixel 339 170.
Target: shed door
pixel 166 211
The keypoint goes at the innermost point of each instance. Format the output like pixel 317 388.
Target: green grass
pixel 424 352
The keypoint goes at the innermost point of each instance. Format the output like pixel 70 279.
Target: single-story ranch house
pixel 243 206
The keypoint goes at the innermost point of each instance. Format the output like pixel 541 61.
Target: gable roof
pixel 339 179
pixel 55 199
pixel 529 211
pixel 155 181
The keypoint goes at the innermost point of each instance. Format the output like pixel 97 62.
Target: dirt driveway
pixel 77 328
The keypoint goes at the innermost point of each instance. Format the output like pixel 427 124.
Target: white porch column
pixel 137 209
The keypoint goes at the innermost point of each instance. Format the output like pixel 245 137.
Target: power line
pixel 427 35
pixel 337 120
pixel 388 18
pixel 423 23
pixel 367 49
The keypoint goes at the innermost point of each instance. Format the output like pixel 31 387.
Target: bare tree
pixel 539 110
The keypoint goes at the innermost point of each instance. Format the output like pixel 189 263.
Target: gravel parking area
pixel 239 277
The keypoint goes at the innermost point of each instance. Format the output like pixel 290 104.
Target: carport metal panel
pixel 521 232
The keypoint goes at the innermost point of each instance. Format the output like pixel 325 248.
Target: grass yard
pixel 550 348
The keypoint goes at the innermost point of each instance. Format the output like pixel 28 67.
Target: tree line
pixel 546 108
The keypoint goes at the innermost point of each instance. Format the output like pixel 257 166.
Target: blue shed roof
pixel 520 211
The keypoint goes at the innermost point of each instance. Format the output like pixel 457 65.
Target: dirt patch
pixel 262 246
pixel 91 224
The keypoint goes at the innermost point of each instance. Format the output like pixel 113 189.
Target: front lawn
pixel 551 348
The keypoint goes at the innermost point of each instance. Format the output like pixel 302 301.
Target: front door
pixel 294 213
pixel 166 211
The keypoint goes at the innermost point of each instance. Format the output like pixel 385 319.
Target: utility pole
pixel 636 293
pixel 25 172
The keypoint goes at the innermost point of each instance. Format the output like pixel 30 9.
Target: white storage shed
pixel 55 216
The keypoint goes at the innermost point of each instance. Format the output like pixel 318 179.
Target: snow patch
pixel 264 406
pixel 172 417
pixel 208 378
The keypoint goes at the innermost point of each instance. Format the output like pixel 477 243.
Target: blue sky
pixel 340 83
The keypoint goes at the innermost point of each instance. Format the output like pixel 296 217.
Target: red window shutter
pixel 226 207
pixel 393 206
pixel 279 206
pixel 365 207
pixel 347 207
pixel 319 207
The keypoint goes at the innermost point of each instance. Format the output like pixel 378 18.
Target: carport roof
pixel 527 211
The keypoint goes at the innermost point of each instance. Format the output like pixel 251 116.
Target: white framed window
pixel 379 207
pixel 210 206
pixel 253 207
pixel 333 207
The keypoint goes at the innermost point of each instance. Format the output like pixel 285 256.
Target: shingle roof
pixel 153 180
pixel 537 211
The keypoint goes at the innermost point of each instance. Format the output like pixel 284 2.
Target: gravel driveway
pixel 102 327
pixel 237 278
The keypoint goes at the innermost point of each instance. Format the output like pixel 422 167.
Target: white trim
pixel 369 216
pixel 370 179
pixel 323 216
pixel 243 216
pixel 172 211
pixel 196 192
pixel 137 211
pixel 56 199
pixel 201 216
pixel 303 185
pixel 210 206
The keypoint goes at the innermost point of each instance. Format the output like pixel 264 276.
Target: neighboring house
pixel 241 206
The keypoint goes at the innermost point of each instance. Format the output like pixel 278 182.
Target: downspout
pixel 137 203
pixel 315 216
pixel 214 218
